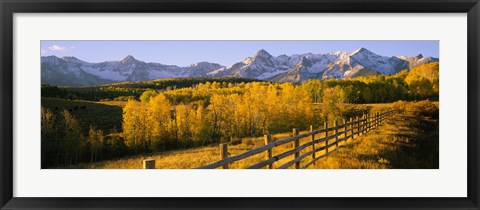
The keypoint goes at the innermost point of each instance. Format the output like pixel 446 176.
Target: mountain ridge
pixel 71 71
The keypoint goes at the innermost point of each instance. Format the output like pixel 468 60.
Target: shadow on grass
pixel 402 142
pixel 413 142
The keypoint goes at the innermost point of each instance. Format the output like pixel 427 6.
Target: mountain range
pixel 71 71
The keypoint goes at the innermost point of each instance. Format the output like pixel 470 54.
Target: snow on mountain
pixel 67 71
pixel 364 59
pixel 283 68
pixel 71 71
pixel 200 69
pixel 262 65
pixel 265 66
pixel 305 69
pixel 418 60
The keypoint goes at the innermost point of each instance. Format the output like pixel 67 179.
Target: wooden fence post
pixel 351 127
pixel 373 121
pixel 149 164
pixel 313 142
pixel 383 116
pixel 364 124
pixel 326 135
pixel 296 144
pixel 344 129
pixel 335 124
pixel 368 122
pixel 377 120
pixel 224 154
pixel 268 139
pixel 358 125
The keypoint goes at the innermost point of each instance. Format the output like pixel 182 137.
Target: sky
pixel 184 53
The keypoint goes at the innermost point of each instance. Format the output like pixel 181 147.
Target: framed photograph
pixel 201 104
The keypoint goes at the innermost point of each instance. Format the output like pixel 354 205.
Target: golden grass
pixel 113 103
pixel 197 157
pixel 383 147
pixel 362 152
pixel 396 144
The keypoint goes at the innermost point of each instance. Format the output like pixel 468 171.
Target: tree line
pixel 419 83
pixel 128 90
pixel 158 123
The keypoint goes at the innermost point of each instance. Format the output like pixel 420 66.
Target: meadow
pixel 406 140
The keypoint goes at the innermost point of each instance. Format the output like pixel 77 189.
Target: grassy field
pixel 113 103
pixel 196 157
pixel 402 142
pixel 103 115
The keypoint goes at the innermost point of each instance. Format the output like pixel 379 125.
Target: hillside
pixel 130 90
pixel 101 115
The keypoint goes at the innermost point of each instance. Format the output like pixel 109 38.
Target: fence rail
pixel 348 129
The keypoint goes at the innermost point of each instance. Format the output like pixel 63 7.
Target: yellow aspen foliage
pixel 332 98
pixel 214 112
pixel 47 122
pixel 73 137
pixel 95 139
pixel 423 80
pixel 159 120
pixel 135 125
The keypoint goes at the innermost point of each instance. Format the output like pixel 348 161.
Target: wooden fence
pixel 348 129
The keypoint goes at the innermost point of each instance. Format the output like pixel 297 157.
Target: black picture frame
pixel 10 7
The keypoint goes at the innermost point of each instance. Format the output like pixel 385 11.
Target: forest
pixel 90 124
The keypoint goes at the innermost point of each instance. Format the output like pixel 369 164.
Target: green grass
pixel 105 116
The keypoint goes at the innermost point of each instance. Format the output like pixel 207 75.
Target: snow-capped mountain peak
pixel 127 59
pixel 70 71
pixel 363 51
pixel 72 59
pixel 262 65
pixel 262 53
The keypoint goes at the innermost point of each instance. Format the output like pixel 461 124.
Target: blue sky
pixel 184 53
